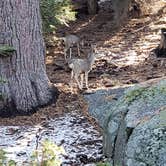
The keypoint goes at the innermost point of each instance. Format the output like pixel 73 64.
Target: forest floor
pixel 126 55
pixel 126 58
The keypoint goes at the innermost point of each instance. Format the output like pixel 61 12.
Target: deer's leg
pixel 76 78
pixel 162 62
pixel 70 52
pixel 82 80
pixel 78 47
pixel 65 53
pixel 71 80
pixel 86 80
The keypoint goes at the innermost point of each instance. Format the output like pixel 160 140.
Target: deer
pixel 70 41
pixel 81 67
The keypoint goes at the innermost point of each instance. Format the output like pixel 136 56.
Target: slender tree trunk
pixel 27 85
pixel 163 39
pixel 160 51
pixel 120 8
pixel 92 6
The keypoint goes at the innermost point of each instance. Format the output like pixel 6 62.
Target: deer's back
pixel 72 39
pixel 79 65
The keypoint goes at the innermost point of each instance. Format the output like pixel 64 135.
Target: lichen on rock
pixel 147 144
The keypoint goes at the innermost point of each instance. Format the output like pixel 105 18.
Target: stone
pixel 133 125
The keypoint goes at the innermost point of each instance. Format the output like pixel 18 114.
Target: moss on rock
pixel 144 92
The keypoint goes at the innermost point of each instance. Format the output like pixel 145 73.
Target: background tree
pixel 121 9
pixel 92 6
pixel 161 49
pixel 26 83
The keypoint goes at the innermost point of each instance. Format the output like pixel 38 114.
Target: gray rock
pixel 147 144
pixel 134 125
pixel 101 102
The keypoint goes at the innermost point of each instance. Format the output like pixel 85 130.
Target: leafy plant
pixel 55 12
pixel 4 161
pixel 47 155
pixel 2 157
pixel 6 50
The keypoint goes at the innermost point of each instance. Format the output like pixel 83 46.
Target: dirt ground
pixel 126 59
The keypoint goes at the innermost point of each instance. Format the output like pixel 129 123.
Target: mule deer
pixel 70 41
pixel 82 66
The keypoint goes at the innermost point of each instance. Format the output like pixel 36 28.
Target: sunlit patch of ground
pixel 126 54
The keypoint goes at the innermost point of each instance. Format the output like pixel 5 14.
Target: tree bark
pixel 92 6
pixel 27 85
pixel 160 51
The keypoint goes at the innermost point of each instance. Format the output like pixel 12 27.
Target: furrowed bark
pixel 27 85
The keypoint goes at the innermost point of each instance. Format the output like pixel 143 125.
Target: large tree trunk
pixel 27 85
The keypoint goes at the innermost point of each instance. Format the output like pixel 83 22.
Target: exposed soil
pixel 126 58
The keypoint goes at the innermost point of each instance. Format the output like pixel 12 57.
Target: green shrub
pixel 47 155
pixel 55 12
pixel 6 50
pixel 4 161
